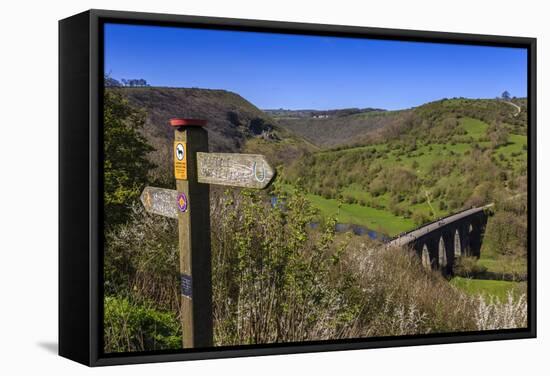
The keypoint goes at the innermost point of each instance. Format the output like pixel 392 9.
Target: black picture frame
pixel 80 185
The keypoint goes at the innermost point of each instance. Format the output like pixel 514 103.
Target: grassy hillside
pixel 488 110
pixel 348 129
pixel 439 160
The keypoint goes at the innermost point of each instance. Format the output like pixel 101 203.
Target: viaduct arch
pixel 440 243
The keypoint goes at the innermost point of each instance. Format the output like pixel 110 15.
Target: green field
pixel 379 220
pixel 486 287
pixel 473 127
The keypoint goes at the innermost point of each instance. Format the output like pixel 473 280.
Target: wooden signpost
pixel 194 169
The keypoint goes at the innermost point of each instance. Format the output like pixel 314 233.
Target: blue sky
pixel 312 72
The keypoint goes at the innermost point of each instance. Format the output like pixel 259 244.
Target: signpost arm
pixel 194 234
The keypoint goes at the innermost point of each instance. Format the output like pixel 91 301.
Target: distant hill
pixel 284 113
pixel 337 131
pixel 232 121
pixel 340 129
pixel 231 118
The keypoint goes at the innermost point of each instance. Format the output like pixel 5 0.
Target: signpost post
pixel 194 233
pixel 194 169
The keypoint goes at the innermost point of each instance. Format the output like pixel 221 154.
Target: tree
pixel 507 233
pixel 233 118
pixel 111 82
pixel 125 157
pixel 134 82
pixel 506 95
pixel 420 218
pixel 498 136
pixel 258 125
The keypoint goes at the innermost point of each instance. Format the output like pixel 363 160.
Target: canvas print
pixel 264 188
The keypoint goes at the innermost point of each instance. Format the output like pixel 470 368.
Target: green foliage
pixel 125 164
pixel 469 267
pixel 504 267
pixel 420 218
pixel 377 187
pixel 275 279
pixel 136 327
pixel 507 233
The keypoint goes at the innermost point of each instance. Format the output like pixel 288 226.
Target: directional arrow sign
pixel 238 170
pixel 160 201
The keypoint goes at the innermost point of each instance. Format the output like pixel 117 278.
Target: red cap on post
pixel 180 122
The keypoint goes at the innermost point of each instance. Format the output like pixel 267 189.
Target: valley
pixel 386 171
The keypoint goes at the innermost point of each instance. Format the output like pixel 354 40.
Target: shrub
pixel 468 267
pixel 142 259
pixel 135 327
pixel 399 297
pixel 274 280
pixel 491 314
pixel 400 180
pixel 420 218
pixel 377 187
pixel 507 233
pixel 349 199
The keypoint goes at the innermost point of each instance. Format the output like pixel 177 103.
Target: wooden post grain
pixel 193 204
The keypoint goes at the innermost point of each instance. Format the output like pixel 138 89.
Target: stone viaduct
pixel 440 243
